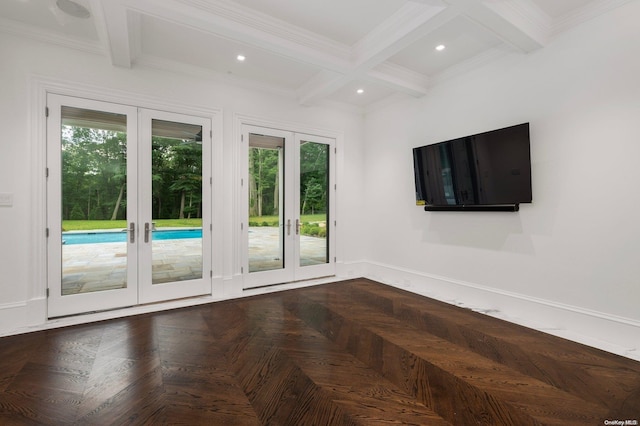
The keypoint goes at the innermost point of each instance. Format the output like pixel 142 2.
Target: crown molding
pixel 584 14
pixel 32 33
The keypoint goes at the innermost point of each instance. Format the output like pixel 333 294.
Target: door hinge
pixel 46 172
pixel 211 134
pixel 241 138
pixel 242 226
pixel 211 227
pixel 47 292
pixel 242 269
pixel 242 182
pixel 335 259
pixel 210 274
pixel 46 111
pixel 335 150
pixel 211 181
pixel 46 231
pixel 335 223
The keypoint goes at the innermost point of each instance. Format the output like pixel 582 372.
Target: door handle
pixel 132 232
pixel 146 232
pixel 288 226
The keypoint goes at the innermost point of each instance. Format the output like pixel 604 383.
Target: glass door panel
pixel 266 236
pixel 175 206
pixel 176 178
pixel 94 182
pixel 92 263
pixel 315 190
pixel 314 197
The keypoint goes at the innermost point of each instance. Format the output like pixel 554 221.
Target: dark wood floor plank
pixel 274 384
pixel 518 347
pixel 342 376
pixel 205 395
pixel 350 353
pixel 487 383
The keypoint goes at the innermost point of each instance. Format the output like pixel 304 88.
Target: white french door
pixel 128 205
pixel 175 243
pixel 289 210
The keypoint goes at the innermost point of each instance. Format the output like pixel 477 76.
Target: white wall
pixel 24 60
pixel 570 261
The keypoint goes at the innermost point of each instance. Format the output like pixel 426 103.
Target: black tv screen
pixel 491 168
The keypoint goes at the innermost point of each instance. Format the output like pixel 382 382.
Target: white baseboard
pixel 601 330
pixel 604 331
pixel 350 269
pixel 12 315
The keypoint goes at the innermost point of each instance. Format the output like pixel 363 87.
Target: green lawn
pixel 273 220
pixel 87 225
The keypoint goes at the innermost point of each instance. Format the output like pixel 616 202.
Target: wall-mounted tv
pixel 487 169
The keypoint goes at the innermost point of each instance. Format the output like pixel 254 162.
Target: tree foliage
pixel 314 175
pixel 94 176
pixel 264 176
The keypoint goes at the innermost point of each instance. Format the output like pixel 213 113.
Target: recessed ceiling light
pixel 74 9
pixel 360 91
pixel 241 58
pixel 440 47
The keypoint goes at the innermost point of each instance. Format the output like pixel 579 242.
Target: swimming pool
pixel 69 238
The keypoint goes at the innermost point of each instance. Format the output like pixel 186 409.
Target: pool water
pixel 69 238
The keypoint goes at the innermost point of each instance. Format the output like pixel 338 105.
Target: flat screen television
pixel 487 169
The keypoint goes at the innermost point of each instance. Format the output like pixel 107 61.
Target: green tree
pixel 263 181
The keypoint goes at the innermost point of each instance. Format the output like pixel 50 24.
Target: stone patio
pixel 102 266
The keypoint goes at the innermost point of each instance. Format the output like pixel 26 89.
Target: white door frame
pixel 212 183
pixel 291 238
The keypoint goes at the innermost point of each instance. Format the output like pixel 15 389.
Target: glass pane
pixel 266 237
pixel 94 193
pixel 314 203
pixel 176 176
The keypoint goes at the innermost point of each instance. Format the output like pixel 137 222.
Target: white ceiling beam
pixel 519 23
pixel 116 28
pixel 412 22
pixel 399 79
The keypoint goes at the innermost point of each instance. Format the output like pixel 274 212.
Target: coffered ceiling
pixel 317 51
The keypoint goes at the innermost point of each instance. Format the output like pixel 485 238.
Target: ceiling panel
pixel 372 93
pixel 188 46
pixel 345 21
pixel 462 38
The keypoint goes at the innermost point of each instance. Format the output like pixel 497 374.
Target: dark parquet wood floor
pixel 349 353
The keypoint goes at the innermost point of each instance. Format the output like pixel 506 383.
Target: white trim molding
pixel 611 333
